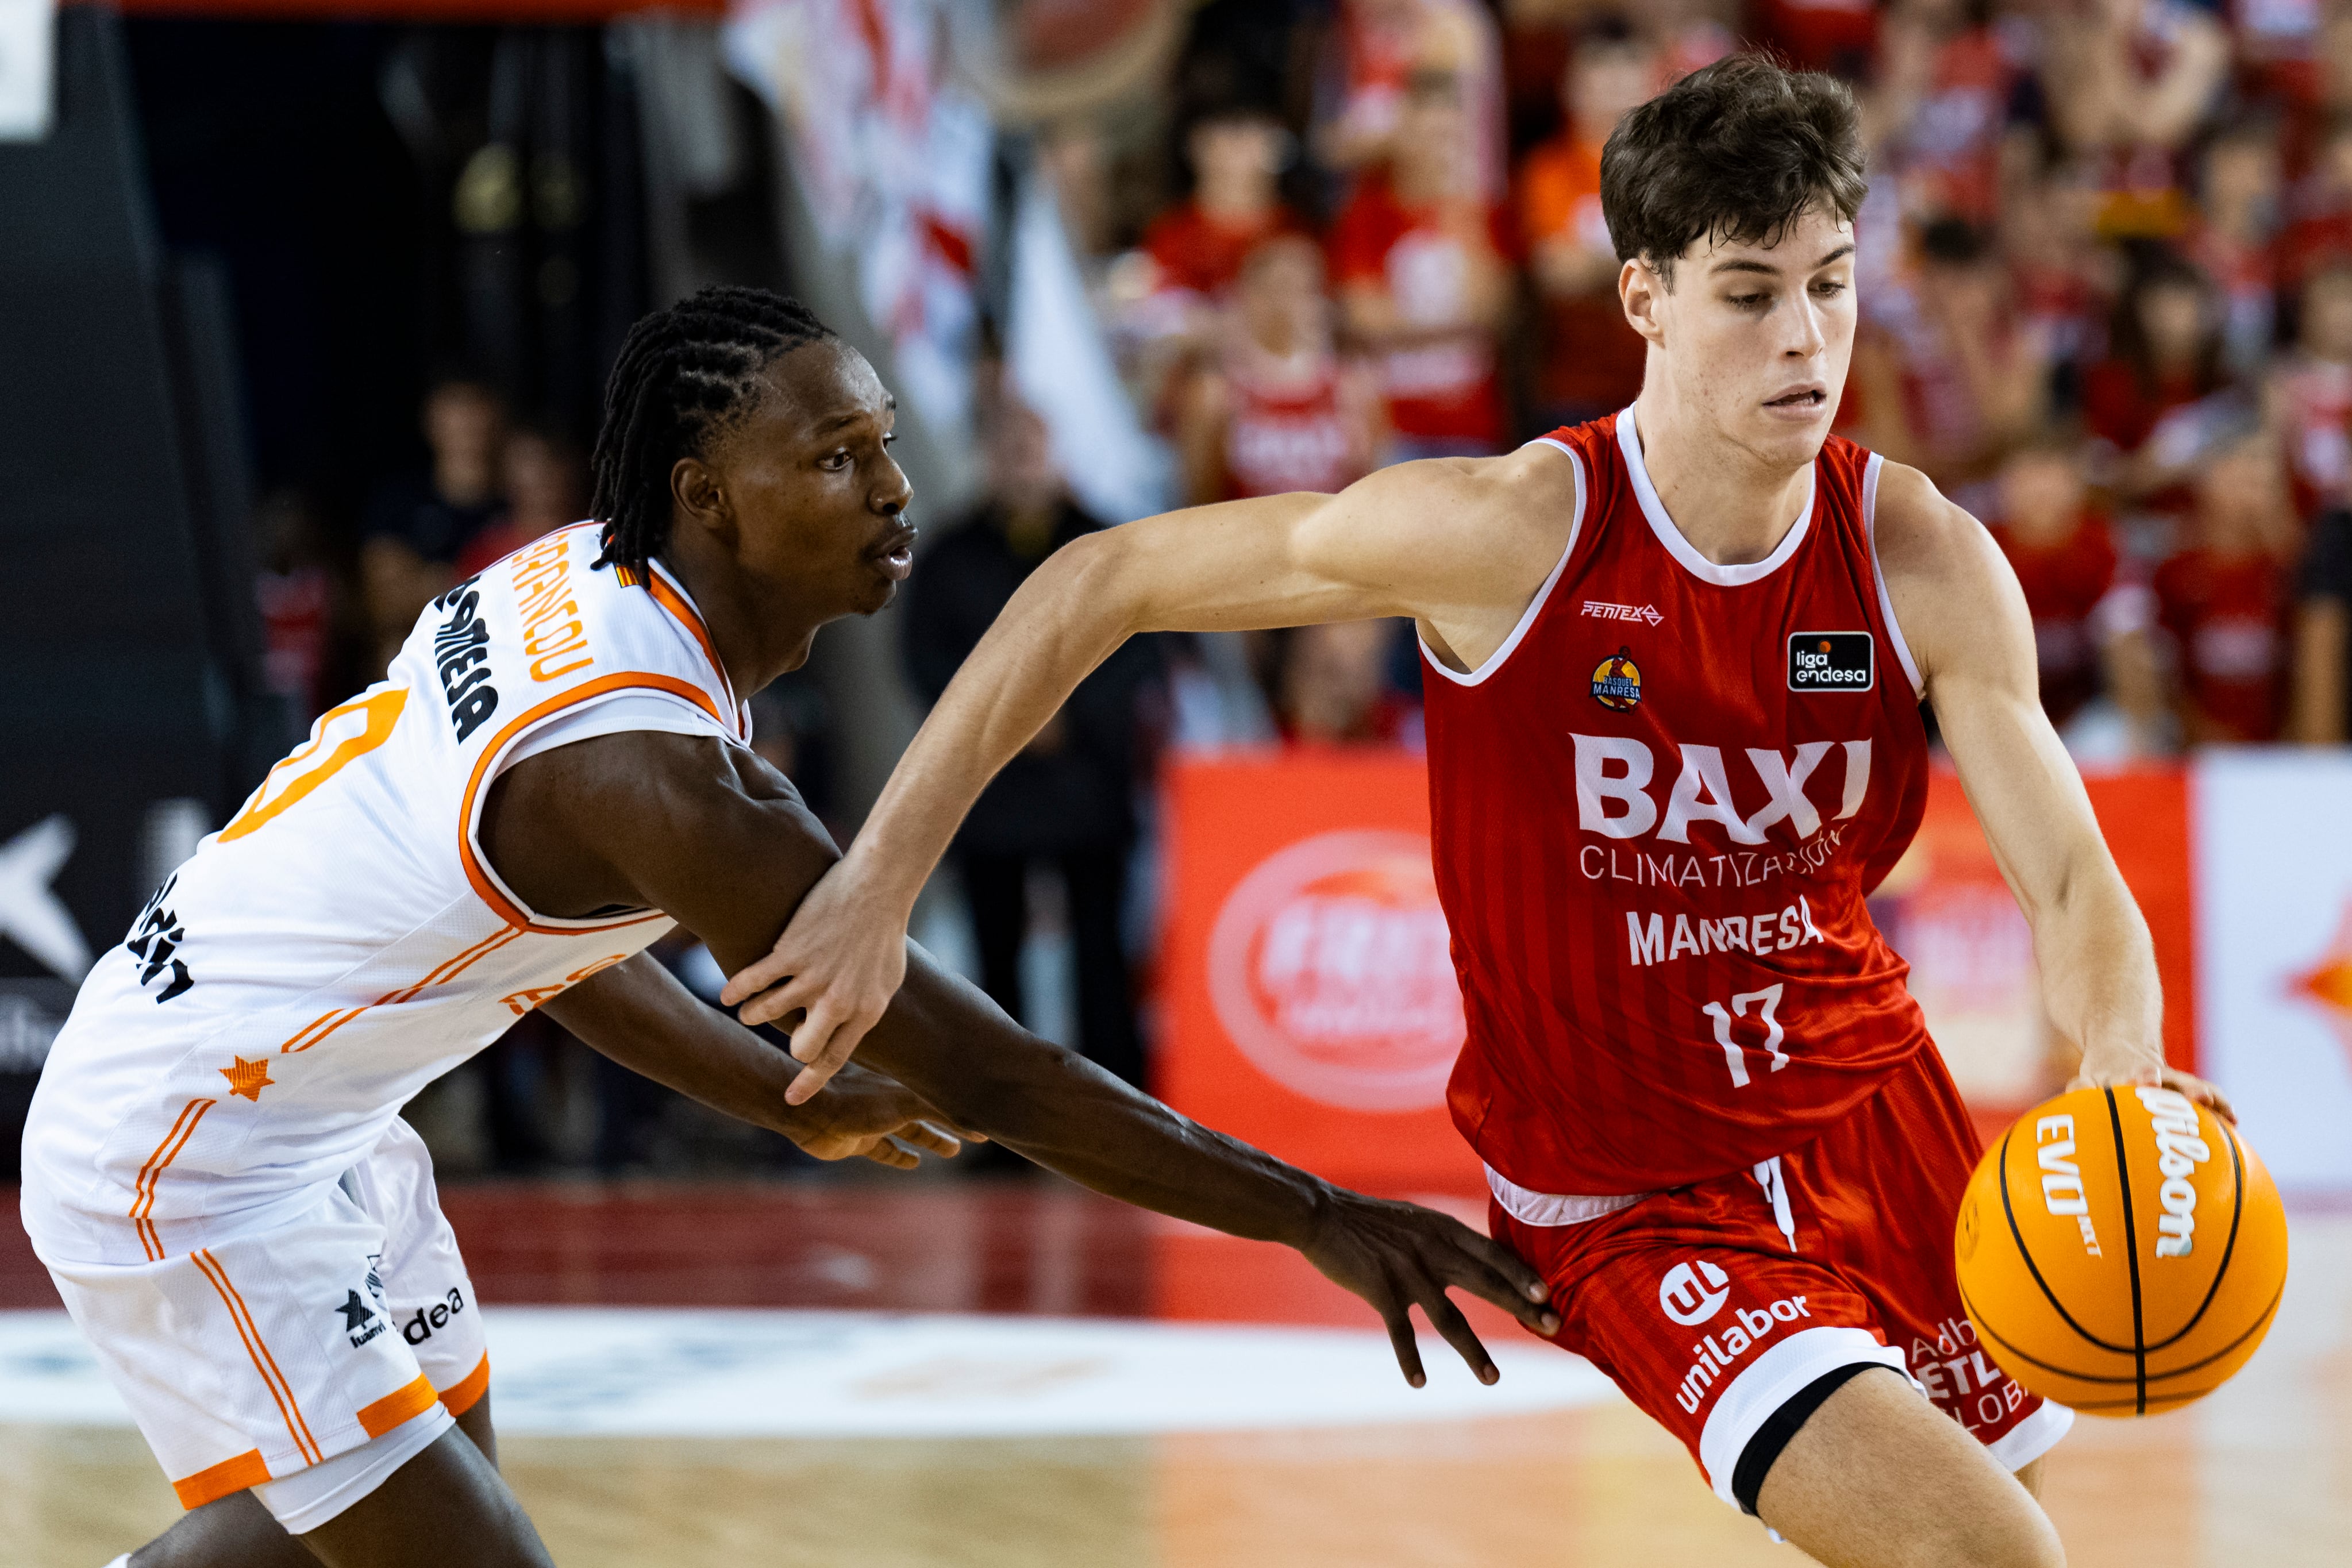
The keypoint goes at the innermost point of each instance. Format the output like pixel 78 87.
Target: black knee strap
pixel 1755 1460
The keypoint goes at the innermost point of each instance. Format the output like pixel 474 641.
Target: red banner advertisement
pixel 1310 1001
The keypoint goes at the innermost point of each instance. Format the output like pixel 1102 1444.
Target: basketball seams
pixel 2025 1252
pixel 2237 1212
pixel 2131 1249
pixel 2261 1322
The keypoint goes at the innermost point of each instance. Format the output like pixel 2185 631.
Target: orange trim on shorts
pixel 466 1391
pixel 142 1201
pixel 264 1363
pixel 212 1484
pixel 403 1404
pixel 486 890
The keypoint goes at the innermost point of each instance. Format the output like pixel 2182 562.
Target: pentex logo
pixel 1600 611
pixel 1331 969
pixel 1681 1297
pixel 1617 682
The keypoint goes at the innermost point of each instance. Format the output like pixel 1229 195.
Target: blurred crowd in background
pixel 2106 293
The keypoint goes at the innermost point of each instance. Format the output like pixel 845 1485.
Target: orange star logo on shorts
pixel 249 1078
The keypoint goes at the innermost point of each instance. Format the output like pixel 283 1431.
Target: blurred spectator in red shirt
pixel 1833 35
pixel 2127 81
pixel 1281 411
pixel 1939 106
pixel 1237 156
pixel 1951 380
pixel 1331 687
pixel 2064 558
pixel 1380 47
pixel 2164 353
pixel 1591 359
pixel 415 526
pixel 2236 239
pixel 2223 601
pixel 544 492
pixel 2311 392
pixel 1687 34
pixel 1418 256
pixel 2058 271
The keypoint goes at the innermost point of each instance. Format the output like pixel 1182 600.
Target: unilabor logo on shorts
pixel 1683 1298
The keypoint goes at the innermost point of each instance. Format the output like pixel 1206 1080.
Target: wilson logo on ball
pixel 2121 1251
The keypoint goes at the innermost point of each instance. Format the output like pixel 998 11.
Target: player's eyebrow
pixel 851 417
pixel 1743 264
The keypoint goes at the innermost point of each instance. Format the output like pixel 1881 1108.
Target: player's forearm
pixel 2099 982
pixel 638 1015
pixel 949 1043
pixel 1160 574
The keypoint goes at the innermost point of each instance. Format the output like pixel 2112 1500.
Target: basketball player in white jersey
pixel 1709 525
pixel 555 771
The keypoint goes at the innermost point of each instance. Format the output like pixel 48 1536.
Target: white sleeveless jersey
pixel 342 942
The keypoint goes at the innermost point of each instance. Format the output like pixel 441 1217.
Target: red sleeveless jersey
pixel 1656 810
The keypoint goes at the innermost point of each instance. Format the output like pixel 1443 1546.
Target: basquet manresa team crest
pixel 1330 968
pixel 1617 681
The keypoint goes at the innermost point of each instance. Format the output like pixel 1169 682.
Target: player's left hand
pixel 1398 1256
pixel 2106 1075
pixel 873 1117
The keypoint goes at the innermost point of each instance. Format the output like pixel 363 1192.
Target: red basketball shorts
pixel 1713 1305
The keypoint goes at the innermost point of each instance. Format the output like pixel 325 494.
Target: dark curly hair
pixel 1734 154
pixel 684 375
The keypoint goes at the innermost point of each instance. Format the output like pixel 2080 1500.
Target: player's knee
pixel 2019 1536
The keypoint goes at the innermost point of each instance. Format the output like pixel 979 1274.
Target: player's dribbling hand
pixel 840 961
pixel 1398 1256
pixel 873 1117
pixel 2117 1071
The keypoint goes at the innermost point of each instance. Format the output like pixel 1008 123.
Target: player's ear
pixel 697 494
pixel 1641 290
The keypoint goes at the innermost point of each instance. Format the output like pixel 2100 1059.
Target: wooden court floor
pixel 2259 1474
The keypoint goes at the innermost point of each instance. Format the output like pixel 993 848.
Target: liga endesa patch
pixel 1832 662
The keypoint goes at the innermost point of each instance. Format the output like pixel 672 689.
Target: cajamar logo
pixel 1617 681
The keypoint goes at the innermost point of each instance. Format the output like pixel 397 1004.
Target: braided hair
pixel 684 375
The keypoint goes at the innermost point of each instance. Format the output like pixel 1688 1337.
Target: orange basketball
pixel 2121 1251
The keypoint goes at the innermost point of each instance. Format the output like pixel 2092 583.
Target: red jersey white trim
pixel 1535 607
pixel 1878 573
pixel 1680 547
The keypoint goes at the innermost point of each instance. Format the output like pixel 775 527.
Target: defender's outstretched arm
pixel 638 1015
pixel 1964 618
pixel 1461 545
pixel 715 837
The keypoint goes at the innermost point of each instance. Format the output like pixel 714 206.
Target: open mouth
pixel 894 555
pixel 1804 399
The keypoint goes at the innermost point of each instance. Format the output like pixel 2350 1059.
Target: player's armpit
pixel 1961 613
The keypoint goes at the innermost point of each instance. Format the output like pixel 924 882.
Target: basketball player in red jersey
pixel 1675 658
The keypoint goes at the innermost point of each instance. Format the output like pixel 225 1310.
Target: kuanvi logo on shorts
pixel 1683 1298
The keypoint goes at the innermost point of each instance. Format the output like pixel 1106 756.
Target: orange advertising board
pixel 1308 1000
pixel 1309 994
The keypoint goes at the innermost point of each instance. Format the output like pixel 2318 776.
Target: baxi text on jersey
pixel 1613 774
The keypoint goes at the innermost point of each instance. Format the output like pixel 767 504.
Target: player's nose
pixel 893 491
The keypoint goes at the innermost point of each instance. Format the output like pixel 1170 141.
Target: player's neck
pixel 756 638
pixel 1733 507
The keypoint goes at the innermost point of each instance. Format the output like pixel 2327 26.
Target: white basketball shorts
pixel 308 1361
